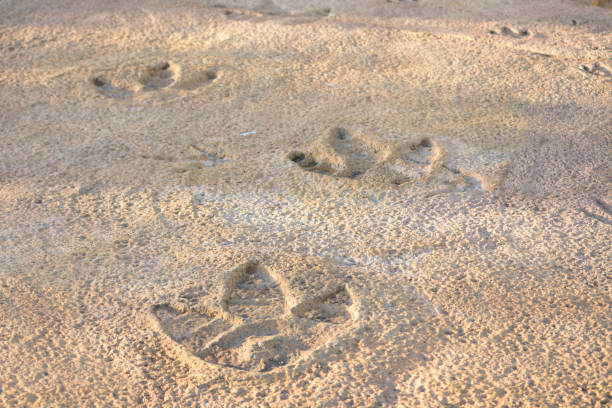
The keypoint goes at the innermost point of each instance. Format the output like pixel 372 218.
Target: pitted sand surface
pixel 289 203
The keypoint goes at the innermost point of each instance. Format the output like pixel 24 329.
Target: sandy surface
pixel 327 203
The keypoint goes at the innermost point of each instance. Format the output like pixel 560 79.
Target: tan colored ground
pixel 289 203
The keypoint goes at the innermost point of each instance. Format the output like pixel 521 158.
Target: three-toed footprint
pixel 446 165
pixel 344 155
pixel 156 77
pixel 254 329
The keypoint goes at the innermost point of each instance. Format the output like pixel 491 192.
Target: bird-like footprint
pixel 344 155
pixel 254 330
pixel 156 78
pixel 347 156
pixel 439 165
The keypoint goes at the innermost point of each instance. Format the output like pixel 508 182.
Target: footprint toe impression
pixel 347 156
pixel 255 332
pixel 344 155
pixel 199 79
pixel 513 32
pixel 106 87
pixel 415 162
pixel 158 76
pixel 192 328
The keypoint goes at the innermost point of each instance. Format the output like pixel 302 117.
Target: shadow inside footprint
pixel 108 89
pixel 324 12
pixel 307 162
pixel 158 76
pixel 192 329
pixel 253 331
pixel 349 155
pixel 195 81
pixel 513 32
pixel 597 69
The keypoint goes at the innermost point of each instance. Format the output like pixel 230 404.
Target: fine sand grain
pixel 321 203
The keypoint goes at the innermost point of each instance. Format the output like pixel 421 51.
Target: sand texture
pixel 327 203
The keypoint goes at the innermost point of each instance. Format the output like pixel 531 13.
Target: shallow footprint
pixel 192 329
pixel 349 156
pixel 511 32
pixel 254 347
pixel 414 163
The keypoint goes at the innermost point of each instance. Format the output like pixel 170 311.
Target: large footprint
pixel 446 167
pixel 156 78
pixel 344 155
pixel 254 330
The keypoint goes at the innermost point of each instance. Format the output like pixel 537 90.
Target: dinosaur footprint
pixel 441 165
pixel 158 77
pixel 254 330
pixel 343 156
pixel 511 32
